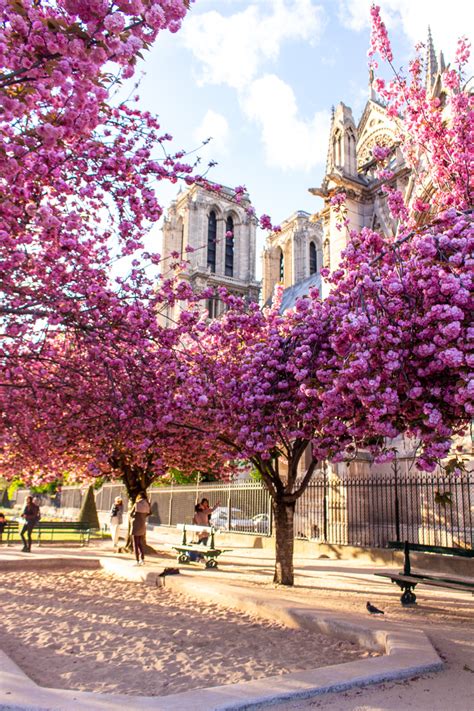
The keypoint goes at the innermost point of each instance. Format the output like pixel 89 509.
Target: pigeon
pixel 374 610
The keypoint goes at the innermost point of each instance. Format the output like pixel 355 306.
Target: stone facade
pixel 199 219
pixel 292 255
pixel 351 168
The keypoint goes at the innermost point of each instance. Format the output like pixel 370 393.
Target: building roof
pixel 298 290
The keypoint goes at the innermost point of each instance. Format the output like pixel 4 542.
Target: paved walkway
pixel 335 587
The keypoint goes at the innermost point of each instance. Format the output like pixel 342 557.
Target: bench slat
pixel 426 580
pixel 443 550
pixel 194 527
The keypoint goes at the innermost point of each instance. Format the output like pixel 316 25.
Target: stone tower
pixel 222 235
pixel 352 168
pixel 293 255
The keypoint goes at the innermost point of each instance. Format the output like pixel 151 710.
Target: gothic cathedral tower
pixel 222 236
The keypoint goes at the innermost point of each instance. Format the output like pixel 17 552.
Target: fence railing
pixel 431 510
pixel 427 509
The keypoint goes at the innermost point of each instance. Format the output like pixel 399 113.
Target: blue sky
pixel 260 78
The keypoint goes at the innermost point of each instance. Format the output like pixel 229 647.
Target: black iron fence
pixel 427 509
pixel 431 510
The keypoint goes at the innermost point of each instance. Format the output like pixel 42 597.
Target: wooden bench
pixel 209 552
pixel 407 580
pixel 43 529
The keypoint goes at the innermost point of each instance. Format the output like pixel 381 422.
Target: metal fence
pixel 431 510
pixel 427 509
pixel 238 507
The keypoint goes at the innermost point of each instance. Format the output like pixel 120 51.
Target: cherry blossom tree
pixel 249 387
pixel 80 350
pixel 102 407
pixel 99 387
pixel 388 353
pixel 77 170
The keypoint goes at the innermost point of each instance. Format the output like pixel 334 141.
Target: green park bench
pixel 209 552
pixel 45 531
pixel 48 531
pixel 10 531
pixel 408 580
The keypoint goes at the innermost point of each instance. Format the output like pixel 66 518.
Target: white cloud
pixel 448 21
pixel 215 126
pixel 290 143
pixel 231 49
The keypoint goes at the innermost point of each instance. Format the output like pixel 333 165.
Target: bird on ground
pixel 374 610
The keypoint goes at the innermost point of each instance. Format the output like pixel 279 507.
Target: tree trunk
pixel 283 517
pixel 135 480
pixel 284 492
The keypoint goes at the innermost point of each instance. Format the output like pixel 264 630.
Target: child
pixel 116 518
pixel 3 521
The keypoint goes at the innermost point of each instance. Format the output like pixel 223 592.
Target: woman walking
pixel 31 516
pixel 139 514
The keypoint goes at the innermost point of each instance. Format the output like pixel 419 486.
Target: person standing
pixel 139 514
pixel 31 516
pixel 116 519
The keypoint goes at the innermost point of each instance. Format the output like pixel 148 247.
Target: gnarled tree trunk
pixel 285 492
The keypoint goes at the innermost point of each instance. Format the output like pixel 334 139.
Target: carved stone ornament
pixel 380 137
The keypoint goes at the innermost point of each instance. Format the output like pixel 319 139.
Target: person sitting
pixel 201 518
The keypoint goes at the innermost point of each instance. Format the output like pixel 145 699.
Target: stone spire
pixel 441 62
pixel 372 94
pixel 329 161
pixel 431 63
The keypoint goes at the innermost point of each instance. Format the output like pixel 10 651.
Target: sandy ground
pixel 342 587
pixel 89 631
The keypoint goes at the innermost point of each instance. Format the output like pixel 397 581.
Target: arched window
pixel 313 258
pixel 337 149
pixel 229 247
pixel 282 266
pixel 351 152
pixel 211 241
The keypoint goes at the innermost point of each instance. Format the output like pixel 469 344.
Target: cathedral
pixel 306 243
pixel 222 232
